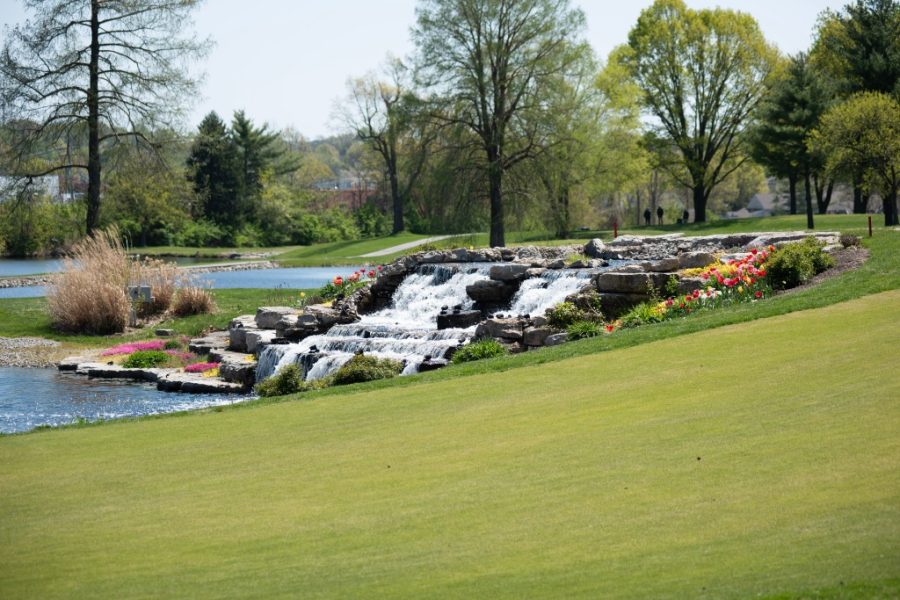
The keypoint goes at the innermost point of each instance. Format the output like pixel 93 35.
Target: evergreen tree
pixel 214 169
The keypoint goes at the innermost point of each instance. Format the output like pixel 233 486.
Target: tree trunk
pixel 792 186
pixel 93 199
pixel 395 197
pixel 563 220
pixel 495 182
pixel 823 194
pixel 699 204
pixel 891 217
pixel 860 199
pixel 809 202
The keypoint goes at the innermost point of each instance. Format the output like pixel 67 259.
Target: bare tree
pixel 118 67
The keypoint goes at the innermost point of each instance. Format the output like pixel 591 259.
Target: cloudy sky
pixel 286 62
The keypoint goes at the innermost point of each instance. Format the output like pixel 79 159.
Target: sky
pixel 287 62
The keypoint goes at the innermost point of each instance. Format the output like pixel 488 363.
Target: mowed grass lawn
pixel 749 460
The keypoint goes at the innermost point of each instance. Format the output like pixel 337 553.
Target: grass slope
pixel 747 460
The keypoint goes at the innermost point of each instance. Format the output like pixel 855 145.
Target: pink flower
pixel 201 367
pixel 354 277
pixel 134 347
pixel 338 281
pixel 371 274
pixel 758 294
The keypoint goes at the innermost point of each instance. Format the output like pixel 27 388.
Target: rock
pixel 325 317
pixel 557 264
pixel 433 364
pixel 665 265
pixel 238 371
pixel 506 329
pixel 461 320
pixel 508 272
pixel 195 383
pixel 686 285
pixel 630 283
pixel 286 322
pixel 614 306
pixel 256 339
pixel 556 339
pixel 268 316
pixel 237 331
pixel 581 264
pixel 534 272
pixel 162 332
pixel 212 341
pixel 514 347
pixel 595 248
pixel 536 336
pixel 491 293
pixel 538 321
pixel 695 260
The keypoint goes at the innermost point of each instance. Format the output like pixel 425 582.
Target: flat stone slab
pixel 195 383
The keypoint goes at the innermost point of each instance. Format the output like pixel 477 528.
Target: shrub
pixel 479 349
pixel 144 359
pixel 580 330
pixel 162 277
pixel 362 368
pixel 289 380
pixel 645 312
pixel 848 240
pixel 564 314
pixel 172 345
pixel 192 300
pixel 795 264
pixel 89 296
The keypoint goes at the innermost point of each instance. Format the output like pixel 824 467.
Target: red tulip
pixel 338 281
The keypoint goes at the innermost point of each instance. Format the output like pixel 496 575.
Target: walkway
pixel 406 246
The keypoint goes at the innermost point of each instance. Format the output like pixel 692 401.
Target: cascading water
pixel 538 294
pixel 406 331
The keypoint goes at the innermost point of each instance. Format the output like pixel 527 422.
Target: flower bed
pixel 345 286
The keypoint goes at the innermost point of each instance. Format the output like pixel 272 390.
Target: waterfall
pixel 406 331
pixel 538 294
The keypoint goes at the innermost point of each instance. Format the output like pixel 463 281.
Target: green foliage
pixel 478 350
pixel 288 380
pixel 36 225
pixel 564 314
pixel 702 72
pixel 863 135
pixel 642 314
pixel 795 264
pixel 672 285
pixel 145 359
pixel 363 368
pixel 580 330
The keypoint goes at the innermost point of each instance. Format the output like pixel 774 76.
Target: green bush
pixel 362 368
pixel 795 264
pixel 287 381
pixel 564 314
pixel 643 313
pixel 479 349
pixel 580 330
pixel 144 359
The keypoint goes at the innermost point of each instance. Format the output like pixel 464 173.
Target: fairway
pixel 754 459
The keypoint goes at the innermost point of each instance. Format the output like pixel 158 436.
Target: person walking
pixel 647 217
pixel 659 214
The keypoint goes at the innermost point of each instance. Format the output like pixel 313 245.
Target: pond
pixel 296 278
pixel 30 398
pixel 17 267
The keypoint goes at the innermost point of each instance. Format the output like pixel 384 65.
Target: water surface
pixel 33 397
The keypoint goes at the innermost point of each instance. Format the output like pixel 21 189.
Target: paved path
pixel 406 246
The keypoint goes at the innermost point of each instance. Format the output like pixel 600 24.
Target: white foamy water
pixel 538 294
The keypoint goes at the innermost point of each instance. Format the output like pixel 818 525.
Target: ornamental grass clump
pixel 89 295
pixel 193 300
pixel 580 330
pixel 478 350
pixel 163 279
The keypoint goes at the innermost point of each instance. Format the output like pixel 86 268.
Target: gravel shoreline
pixel 28 352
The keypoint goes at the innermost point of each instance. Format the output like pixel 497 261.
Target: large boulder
pixel 509 272
pixel 504 329
pixel 695 260
pixel 614 306
pixel 556 339
pixel 595 248
pixel 268 316
pixel 536 336
pixel 631 283
pixel 258 338
pixel 458 319
pixel 491 293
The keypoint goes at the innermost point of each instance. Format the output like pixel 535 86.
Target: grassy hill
pixel 751 459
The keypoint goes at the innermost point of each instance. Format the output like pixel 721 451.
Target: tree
pixel 703 73
pixel 214 167
pixel 860 46
pixel 382 114
pixel 784 121
pixel 116 66
pixel 489 62
pixel 257 151
pixel 863 135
